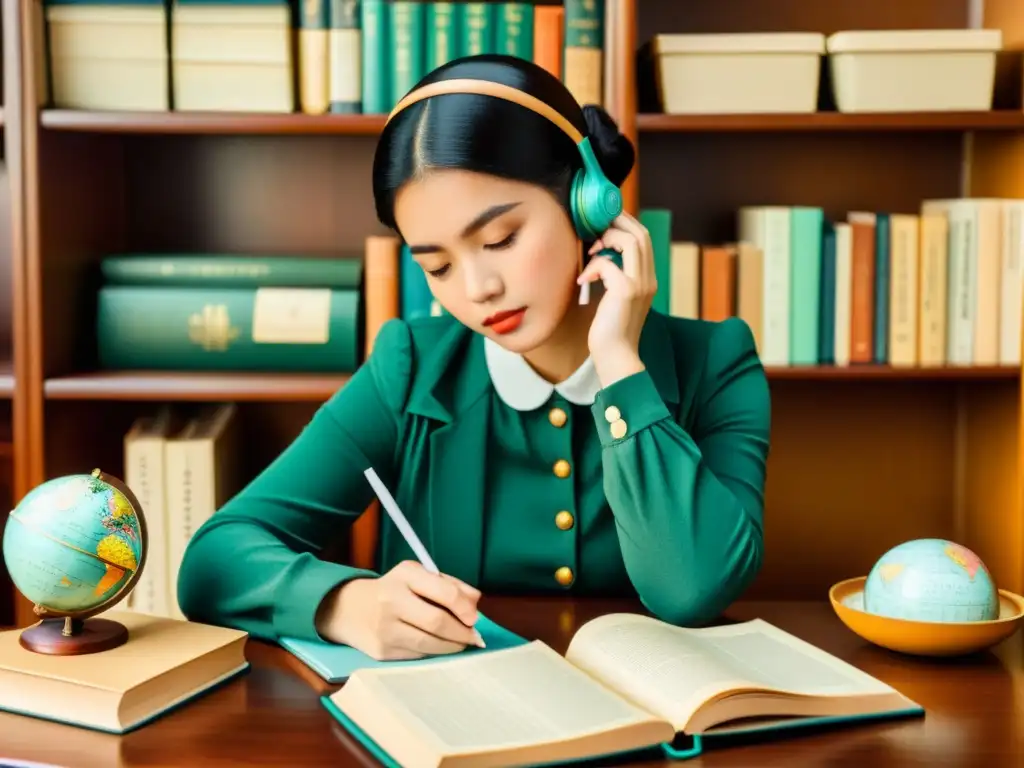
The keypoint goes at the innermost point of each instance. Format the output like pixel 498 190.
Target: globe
pixel 931 580
pixel 75 546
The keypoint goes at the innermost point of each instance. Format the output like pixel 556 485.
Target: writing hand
pixel 407 613
pixel 614 337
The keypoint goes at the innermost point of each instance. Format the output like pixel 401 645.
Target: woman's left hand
pixel 614 337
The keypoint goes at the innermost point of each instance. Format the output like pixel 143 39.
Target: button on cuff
pixel 627 407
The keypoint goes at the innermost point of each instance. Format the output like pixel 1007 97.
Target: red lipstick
pixel 505 322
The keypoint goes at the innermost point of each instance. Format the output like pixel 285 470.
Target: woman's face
pixel 500 256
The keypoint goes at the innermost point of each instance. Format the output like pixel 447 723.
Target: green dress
pixel 652 487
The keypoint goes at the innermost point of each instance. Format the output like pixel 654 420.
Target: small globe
pixel 931 580
pixel 75 545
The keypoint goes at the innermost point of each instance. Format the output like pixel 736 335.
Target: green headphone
pixel 594 202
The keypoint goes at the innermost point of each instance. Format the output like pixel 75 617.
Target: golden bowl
pixel 924 638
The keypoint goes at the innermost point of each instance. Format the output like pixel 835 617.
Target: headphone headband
pixel 488 88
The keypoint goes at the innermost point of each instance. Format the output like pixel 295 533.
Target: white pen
pixel 391 507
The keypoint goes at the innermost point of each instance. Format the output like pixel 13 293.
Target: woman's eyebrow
pixel 481 220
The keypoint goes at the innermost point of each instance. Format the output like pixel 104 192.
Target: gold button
pixel 564 520
pixel 562 468
pixel 557 417
pixel 618 429
pixel 564 576
pixel 611 413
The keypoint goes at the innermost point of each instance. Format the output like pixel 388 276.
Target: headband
pixel 488 88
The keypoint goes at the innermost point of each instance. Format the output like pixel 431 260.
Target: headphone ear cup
pixel 594 201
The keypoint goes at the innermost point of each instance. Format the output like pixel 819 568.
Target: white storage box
pixel 738 73
pixel 108 56
pixel 914 70
pixel 232 57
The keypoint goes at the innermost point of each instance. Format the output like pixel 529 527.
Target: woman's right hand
pixel 407 613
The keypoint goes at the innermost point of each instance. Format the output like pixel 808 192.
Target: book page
pixel 672 671
pixel 507 699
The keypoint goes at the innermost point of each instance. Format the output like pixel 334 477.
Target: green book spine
pixel 827 303
pixel 442 38
pixel 658 222
pixel 407 48
pixel 883 264
pixel 344 57
pixel 477 28
pixel 374 20
pixel 514 29
pixel 229 271
pixel 806 227
pixel 225 329
pixel 584 24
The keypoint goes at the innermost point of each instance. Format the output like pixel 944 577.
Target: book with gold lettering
pixel 628 683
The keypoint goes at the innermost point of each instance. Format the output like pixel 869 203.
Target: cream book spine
pixel 768 228
pixel 684 276
pixel 844 292
pixel 932 295
pixel 144 446
pixel 988 245
pixel 1011 283
pixel 903 285
pixel 201 475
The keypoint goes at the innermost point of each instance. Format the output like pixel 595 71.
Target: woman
pixel 536 442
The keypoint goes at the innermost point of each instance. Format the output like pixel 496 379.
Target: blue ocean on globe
pixel 931 580
pixel 72 543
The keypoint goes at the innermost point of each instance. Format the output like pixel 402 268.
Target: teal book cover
pixel 880 346
pixel 827 299
pixel 806 228
pixel 335 663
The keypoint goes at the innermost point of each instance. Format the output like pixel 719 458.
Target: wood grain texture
pixel 194 386
pixel 272 715
pixel 996 120
pixel 273 387
pixel 163 123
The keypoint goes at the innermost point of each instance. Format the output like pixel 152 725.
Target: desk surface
pixel 272 716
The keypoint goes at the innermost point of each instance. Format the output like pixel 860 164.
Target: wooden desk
pixel 272 716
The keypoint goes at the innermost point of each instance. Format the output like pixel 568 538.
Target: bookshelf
pixel 13 452
pixel 862 458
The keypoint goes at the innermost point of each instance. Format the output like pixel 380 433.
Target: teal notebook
pixel 628 685
pixel 334 663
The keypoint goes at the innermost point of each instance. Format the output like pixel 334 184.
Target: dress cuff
pixel 626 407
pixel 299 598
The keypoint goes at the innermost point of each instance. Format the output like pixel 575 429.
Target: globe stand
pixel 73 637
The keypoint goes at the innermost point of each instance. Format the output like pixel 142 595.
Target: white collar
pixel 524 389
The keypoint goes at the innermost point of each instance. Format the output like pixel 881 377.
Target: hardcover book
pixel 626 684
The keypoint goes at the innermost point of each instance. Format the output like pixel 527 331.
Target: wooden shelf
pixel 370 125
pixel 834 121
pixel 161 385
pixel 886 372
pixel 275 387
pixel 209 123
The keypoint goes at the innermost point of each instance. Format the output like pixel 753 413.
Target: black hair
pixel 481 133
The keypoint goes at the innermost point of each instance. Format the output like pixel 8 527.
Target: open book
pixel 627 682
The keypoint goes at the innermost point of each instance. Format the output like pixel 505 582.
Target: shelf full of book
pixel 864 455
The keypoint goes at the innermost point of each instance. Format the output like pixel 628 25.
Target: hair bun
pixel 614 151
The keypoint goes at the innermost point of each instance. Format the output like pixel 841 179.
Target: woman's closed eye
pixel 440 271
pixel 504 243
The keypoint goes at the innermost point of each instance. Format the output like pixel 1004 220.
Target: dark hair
pixel 491 135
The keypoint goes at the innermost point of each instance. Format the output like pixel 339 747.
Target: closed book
pixel 628 684
pixel 237 329
pixel 164 664
pixel 230 270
